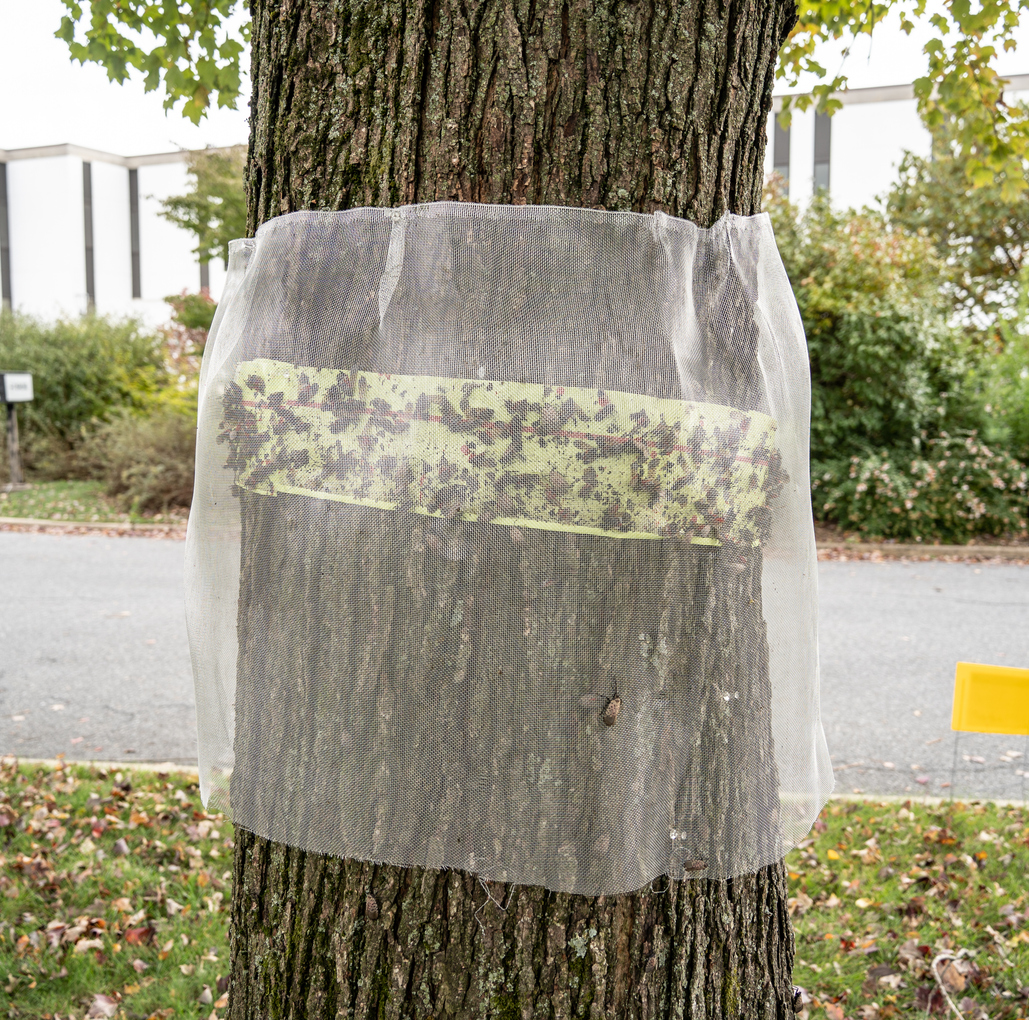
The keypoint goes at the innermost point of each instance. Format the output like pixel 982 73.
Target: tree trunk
pixel 614 105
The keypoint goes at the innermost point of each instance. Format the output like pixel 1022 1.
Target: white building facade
pixel 854 154
pixel 82 229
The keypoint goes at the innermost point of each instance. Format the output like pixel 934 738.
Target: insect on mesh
pixel 501 554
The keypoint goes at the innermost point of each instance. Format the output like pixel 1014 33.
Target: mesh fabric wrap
pixel 501 554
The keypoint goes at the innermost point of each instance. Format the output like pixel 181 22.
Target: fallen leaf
pixel 139 965
pixel 952 978
pixel 122 904
pixel 223 1000
pixel 834 1011
pixel 85 945
pixel 971 1008
pixel 121 848
pixel 206 998
pixel 832 855
pixel 930 999
pixel 875 975
pixel 130 989
pixel 103 1006
pixel 139 936
pixel 187 968
pixel 800 904
pixel 54 931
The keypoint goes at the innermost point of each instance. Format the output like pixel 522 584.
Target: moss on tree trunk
pixel 617 105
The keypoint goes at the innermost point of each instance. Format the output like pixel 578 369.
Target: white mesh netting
pixel 501 554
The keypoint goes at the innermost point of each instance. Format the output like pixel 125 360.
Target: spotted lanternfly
pixel 611 710
pixel 693 865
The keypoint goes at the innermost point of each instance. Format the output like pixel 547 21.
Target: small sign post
pixel 17 389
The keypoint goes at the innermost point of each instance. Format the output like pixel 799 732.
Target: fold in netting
pixel 501 555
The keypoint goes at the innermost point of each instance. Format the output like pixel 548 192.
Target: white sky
pixel 889 57
pixel 45 99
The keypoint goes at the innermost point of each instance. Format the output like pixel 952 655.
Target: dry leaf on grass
pixel 102 1006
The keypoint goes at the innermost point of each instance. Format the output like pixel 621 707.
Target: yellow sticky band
pixel 509 453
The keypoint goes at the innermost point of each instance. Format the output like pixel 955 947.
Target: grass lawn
pixel 73 501
pixel 879 892
pixel 114 893
pixel 114 890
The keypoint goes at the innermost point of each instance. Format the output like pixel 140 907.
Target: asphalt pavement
pixel 94 662
pixel 890 635
pixel 93 655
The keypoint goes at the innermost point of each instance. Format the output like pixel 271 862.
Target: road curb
pixel 926 800
pixel 897 550
pixel 106 527
pixel 95 763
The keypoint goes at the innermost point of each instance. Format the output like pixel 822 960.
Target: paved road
pixel 93 656
pixel 891 633
pixel 96 625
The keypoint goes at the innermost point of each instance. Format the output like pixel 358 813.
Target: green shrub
pixel 886 363
pixel 84 372
pixel 980 234
pixel 955 489
pixel 1000 380
pixel 902 398
pixel 192 311
pixel 146 461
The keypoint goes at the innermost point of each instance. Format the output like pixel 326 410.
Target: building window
pixel 781 150
pixel 87 222
pixel 137 289
pixel 823 149
pixel 5 241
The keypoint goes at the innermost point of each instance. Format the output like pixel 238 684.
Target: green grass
pixel 147 928
pixel 880 890
pixel 73 501
pixel 877 892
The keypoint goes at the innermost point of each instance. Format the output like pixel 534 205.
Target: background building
pixel 854 154
pixel 81 228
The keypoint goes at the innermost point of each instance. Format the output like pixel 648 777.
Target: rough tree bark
pixel 608 104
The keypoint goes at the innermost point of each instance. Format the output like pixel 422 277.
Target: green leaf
pixel 195 54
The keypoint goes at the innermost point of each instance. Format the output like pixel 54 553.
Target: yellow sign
pixel 991 699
